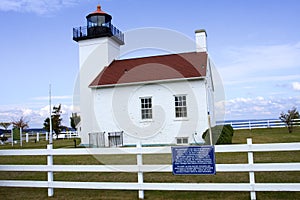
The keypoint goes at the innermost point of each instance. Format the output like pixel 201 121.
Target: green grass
pixel 42 144
pixel 258 136
pixel 268 135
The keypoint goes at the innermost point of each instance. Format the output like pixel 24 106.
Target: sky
pixel 254 44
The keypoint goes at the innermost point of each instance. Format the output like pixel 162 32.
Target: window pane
pixel 146 108
pixel 180 106
pixel 184 140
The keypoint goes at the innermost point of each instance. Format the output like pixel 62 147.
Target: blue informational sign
pixel 192 160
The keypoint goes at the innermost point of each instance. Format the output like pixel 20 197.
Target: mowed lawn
pixel 278 135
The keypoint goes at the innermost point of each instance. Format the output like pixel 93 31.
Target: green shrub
pixel 3 138
pixel 220 135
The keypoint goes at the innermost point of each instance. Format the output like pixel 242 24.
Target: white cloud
pixel 35 116
pixel 259 107
pixel 27 112
pixel 260 63
pixel 296 86
pixel 35 6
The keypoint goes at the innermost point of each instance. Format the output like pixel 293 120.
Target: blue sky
pixel 254 44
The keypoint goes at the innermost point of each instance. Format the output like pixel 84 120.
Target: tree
pixel 289 117
pixel 74 120
pixel 21 123
pixel 55 119
pixel 5 125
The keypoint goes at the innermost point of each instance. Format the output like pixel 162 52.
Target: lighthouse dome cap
pixel 99 12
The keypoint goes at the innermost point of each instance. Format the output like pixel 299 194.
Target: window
pixel 146 108
pixel 115 139
pixel 180 106
pixel 182 140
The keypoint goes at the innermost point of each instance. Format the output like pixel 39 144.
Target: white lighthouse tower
pixel 99 44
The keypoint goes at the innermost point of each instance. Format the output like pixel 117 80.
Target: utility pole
pixel 50 117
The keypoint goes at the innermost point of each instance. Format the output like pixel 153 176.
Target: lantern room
pixel 98 18
pixel 98 25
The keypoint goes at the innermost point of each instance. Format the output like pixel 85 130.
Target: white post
pixel 50 117
pixel 46 136
pixel 209 129
pixel 50 173
pixel 140 174
pixel 27 138
pixel 251 173
pixel 37 136
pixel 12 137
pixel 21 137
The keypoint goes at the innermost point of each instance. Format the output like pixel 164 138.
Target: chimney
pixel 201 40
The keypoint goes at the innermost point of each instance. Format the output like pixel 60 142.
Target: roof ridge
pixel 157 56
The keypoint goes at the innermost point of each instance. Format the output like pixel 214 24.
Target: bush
pixel 3 138
pixel 220 135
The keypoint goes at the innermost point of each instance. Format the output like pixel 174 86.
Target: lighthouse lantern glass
pixel 98 20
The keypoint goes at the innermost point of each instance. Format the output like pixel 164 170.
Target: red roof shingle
pixel 154 68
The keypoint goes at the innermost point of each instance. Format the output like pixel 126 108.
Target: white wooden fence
pixel 139 168
pixel 253 124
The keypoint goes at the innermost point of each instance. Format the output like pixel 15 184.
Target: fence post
pixel 21 137
pixel 27 137
pixel 37 136
pixel 50 173
pixel 12 137
pixel 251 173
pixel 140 174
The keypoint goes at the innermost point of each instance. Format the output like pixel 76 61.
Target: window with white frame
pixel 146 108
pixel 182 140
pixel 180 106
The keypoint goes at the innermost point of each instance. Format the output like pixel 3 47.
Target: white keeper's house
pixel 156 100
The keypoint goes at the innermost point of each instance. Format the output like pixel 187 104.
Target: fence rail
pixel 253 124
pixel 140 168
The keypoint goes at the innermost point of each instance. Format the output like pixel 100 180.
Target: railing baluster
pixel 81 33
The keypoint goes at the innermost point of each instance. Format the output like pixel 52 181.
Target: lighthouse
pixel 99 44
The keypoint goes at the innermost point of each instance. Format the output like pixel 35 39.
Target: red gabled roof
pixel 154 68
